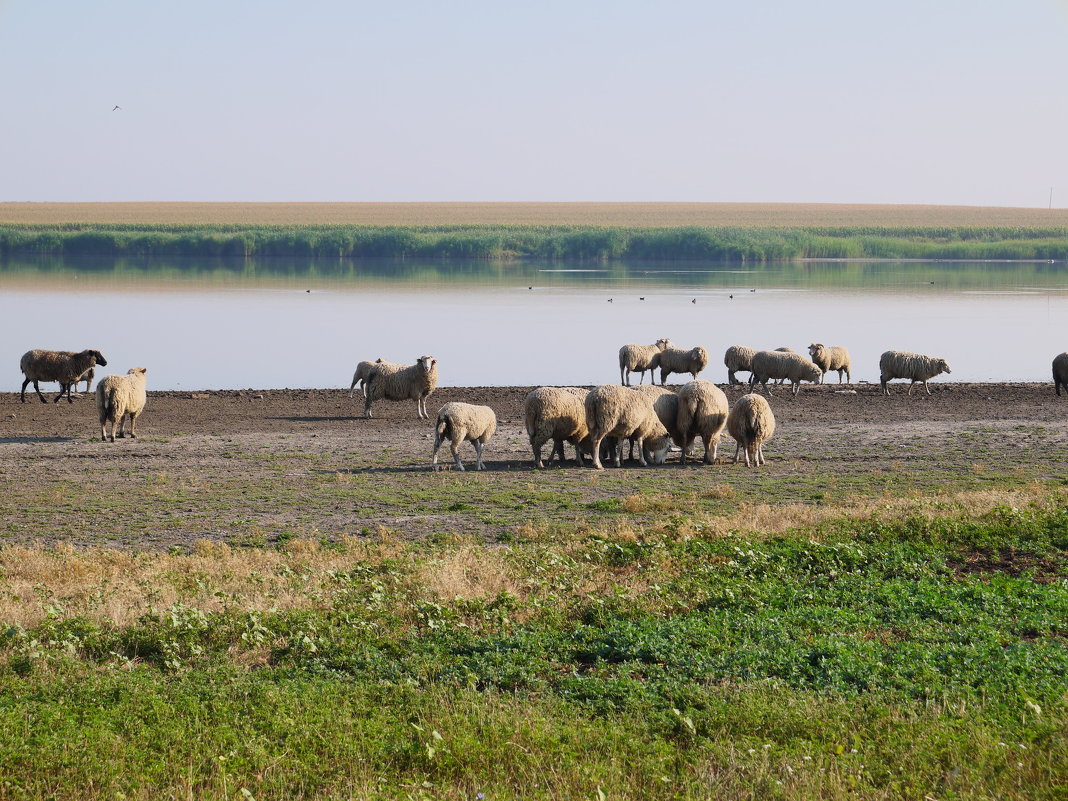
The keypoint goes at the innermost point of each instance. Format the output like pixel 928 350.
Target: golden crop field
pixel 653 215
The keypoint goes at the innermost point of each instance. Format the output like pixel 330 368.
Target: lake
pixel 306 324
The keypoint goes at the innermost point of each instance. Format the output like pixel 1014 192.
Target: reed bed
pixel 547 242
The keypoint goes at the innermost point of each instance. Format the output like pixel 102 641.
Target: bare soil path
pixel 255 466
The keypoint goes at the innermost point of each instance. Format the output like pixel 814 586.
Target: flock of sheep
pixel 597 422
pixel 119 398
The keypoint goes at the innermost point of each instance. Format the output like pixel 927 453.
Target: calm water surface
pixel 306 325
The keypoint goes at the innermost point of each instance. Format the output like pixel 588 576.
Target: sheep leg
pixel 454 446
pixel 911 385
pixel 737 450
pixel 622 376
pixel 927 387
pixel 133 423
pixel 536 446
pixel 478 455
pixel 641 451
pixel 595 443
pixel 760 454
pixel 795 386
pixel 367 406
pixel 438 439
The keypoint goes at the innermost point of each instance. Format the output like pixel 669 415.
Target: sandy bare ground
pixel 254 466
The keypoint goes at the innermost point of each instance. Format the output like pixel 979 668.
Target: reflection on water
pixel 305 323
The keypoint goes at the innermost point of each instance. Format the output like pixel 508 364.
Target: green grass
pixel 564 242
pixel 873 658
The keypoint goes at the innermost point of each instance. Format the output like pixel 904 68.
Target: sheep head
pixel 97 356
pixel 137 371
pixel 943 365
pixel 427 363
pixel 663 343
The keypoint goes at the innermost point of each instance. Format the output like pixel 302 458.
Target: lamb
pixel 914 366
pixel 771 364
pixel 559 414
pixel 738 358
pixel 396 382
pixel 703 410
pixel 751 423
pixel 57 365
pixel 87 377
pixel 639 358
pixel 622 413
pixel 677 360
pixel 458 422
pixel 1060 372
pixel 118 398
pixel 830 358
pixel 363 372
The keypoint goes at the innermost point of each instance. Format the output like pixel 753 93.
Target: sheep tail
pixel 441 430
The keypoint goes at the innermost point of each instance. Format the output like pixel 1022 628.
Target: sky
pixel 957 102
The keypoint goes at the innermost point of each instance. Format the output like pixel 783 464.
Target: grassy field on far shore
pixel 650 215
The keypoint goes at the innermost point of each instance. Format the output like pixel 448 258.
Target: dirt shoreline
pixel 256 466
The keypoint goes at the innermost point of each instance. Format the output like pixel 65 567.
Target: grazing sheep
pixel 87 377
pixel 771 364
pixel 783 350
pixel 458 422
pixel 639 358
pixel 396 382
pixel 703 410
pixel 677 360
pixel 666 405
pixel 738 358
pixel 830 358
pixel 1060 372
pixel 363 372
pixel 559 414
pixel 57 365
pixel 751 423
pixel 622 413
pixel 914 366
pixel 120 398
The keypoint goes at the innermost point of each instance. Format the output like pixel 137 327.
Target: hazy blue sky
pixel 853 101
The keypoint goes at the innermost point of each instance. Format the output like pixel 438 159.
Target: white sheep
pixel 559 414
pixel 1060 372
pixel 639 358
pixel 622 413
pixel 738 359
pixel 460 422
pixel 703 410
pixel 677 360
pixel 914 366
pixel 834 357
pixel 396 382
pixel 772 364
pixel 363 372
pixel 120 398
pixel 57 365
pixel 751 423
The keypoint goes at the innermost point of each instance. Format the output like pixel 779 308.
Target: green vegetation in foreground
pixel 871 659
pixel 739 244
